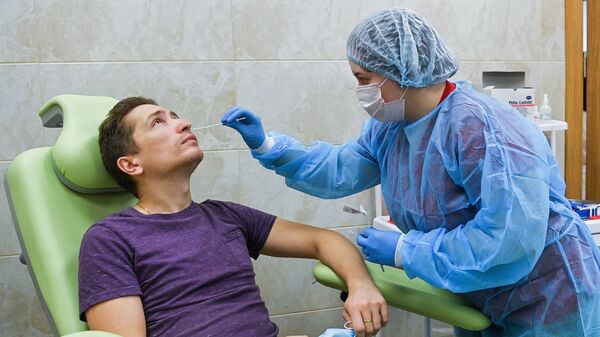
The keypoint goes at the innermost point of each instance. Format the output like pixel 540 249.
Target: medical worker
pixel 472 184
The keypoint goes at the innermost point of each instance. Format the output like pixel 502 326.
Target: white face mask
pixel 369 97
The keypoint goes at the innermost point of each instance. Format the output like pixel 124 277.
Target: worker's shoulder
pixel 468 109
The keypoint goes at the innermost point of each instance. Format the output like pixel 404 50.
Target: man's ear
pixel 130 165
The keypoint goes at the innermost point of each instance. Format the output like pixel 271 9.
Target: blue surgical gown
pixel 477 191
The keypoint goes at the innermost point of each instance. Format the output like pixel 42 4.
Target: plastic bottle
pixel 384 223
pixel 545 109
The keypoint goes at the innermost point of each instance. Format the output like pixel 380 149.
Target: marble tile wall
pixel 283 59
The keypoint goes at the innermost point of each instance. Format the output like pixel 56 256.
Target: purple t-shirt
pixel 192 269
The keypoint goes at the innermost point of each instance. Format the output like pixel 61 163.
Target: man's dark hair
pixel 116 140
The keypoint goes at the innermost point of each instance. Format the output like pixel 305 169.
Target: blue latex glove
pixel 250 127
pixel 379 246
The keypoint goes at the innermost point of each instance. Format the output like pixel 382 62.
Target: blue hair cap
pixel 400 45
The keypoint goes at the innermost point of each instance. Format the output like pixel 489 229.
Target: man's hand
pixel 366 308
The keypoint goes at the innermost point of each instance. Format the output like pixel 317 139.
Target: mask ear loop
pixel 348 325
pixel 404 94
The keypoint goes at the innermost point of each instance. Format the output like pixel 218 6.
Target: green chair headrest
pixel 76 154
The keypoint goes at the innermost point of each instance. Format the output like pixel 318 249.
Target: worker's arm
pixel 322 169
pixel 123 316
pixel 364 302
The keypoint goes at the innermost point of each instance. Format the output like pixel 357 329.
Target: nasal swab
pixel 224 123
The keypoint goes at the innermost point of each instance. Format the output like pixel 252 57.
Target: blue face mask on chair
pixel 338 333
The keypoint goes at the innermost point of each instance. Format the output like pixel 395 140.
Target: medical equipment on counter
pixel 587 210
pixel 545 109
pixel 211 125
pixel 384 223
pixel 362 211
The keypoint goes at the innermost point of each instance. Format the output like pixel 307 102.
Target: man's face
pixel 164 141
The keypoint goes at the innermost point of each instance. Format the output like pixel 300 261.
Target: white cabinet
pixel 594 226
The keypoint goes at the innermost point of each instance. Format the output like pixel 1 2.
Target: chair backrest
pixel 55 194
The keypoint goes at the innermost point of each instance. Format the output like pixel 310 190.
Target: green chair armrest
pixel 91 334
pixel 413 295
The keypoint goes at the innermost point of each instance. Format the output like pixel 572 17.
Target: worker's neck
pixel 167 194
pixel 421 101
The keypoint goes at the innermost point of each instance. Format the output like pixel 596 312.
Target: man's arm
pixel 365 306
pixel 123 316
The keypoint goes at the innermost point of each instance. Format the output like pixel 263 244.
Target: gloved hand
pixel 250 127
pixel 379 246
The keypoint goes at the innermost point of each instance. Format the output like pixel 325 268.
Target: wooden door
pixel 574 97
pixel 592 101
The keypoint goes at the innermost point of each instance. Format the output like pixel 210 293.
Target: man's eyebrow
pixel 158 112
pixel 152 115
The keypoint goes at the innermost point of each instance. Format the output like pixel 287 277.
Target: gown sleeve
pixel 322 169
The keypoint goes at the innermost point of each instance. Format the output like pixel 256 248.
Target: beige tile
pixel 264 190
pixel 9 244
pixel 21 314
pixel 134 30
pixel 217 177
pixel 307 100
pixel 553 30
pixel 20 94
pixel 474 29
pixel 441 329
pixel 18 42
pixel 402 323
pixel 553 83
pixel 198 91
pixel 487 29
pixel 288 285
pixel 297 29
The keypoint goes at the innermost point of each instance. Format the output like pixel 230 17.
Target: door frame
pixel 592 103
pixel 574 98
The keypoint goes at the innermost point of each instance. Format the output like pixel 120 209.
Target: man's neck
pixel 164 195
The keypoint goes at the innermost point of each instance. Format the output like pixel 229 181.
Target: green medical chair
pixel 55 194
pixel 413 295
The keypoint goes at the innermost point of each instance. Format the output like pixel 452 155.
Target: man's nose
pixel 184 125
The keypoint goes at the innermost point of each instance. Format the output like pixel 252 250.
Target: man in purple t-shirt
pixel 169 266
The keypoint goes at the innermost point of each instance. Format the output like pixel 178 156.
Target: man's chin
pixel 198 158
